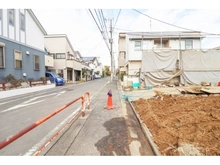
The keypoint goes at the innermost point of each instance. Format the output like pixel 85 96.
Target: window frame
pixel 11 20
pixel 188 46
pixel 137 47
pixel 37 62
pixel 61 54
pixel 3 56
pixel 15 62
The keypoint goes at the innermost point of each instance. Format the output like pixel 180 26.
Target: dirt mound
pixel 182 125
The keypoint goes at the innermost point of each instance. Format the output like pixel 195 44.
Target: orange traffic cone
pixel 109 102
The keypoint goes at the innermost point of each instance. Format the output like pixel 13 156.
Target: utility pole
pixel 111 53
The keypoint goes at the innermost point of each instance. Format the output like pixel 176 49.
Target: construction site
pixel 179 120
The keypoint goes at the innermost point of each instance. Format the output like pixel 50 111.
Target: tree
pixel 106 71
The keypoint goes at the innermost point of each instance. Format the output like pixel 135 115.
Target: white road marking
pixel 60 93
pixel 29 102
pixel 20 105
pixel 50 134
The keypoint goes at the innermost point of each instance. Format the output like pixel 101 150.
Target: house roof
pixel 89 58
pixel 165 34
pixel 77 52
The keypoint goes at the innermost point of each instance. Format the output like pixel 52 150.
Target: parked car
pixel 53 77
pixel 97 76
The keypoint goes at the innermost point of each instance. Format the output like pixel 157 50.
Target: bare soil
pixel 182 125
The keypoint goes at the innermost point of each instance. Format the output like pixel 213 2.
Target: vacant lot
pixel 182 125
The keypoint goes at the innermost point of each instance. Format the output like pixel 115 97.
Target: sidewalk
pixel 103 132
pixel 15 92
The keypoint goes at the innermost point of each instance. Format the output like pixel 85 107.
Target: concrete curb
pixel 146 132
pixel 15 92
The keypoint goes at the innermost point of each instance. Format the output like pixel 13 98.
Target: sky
pixel 75 20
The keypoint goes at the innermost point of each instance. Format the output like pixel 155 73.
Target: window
pixel 0 14
pixel 60 72
pixel 22 21
pixel 188 44
pixel 164 42
pixel 52 55
pixel 2 57
pixel 36 62
pixel 11 17
pixel 60 56
pixel 122 55
pixel 137 45
pixel 18 59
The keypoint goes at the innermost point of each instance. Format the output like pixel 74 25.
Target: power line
pixel 100 30
pixel 173 24
pixel 163 21
pixel 104 23
pixel 94 48
pixel 95 21
pixel 117 17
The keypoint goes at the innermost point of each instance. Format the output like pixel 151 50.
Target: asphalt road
pixel 16 113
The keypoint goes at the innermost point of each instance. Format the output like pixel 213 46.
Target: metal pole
pixel 111 41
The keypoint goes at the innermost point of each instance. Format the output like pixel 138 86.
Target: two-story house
pixel 67 63
pixel 22 51
pixel 151 52
pixel 132 45
pixel 94 64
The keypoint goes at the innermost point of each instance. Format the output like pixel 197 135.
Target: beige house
pixel 67 63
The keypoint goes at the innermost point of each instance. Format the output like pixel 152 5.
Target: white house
pixel 168 58
pixel 21 44
pixel 67 63
pixel 132 45
pixel 94 64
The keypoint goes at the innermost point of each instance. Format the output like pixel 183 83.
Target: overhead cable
pixel 173 24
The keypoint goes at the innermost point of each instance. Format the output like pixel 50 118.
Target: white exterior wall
pixel 34 36
pixel 196 44
pixel 5 22
pixel 17 25
pixel 134 54
pixel 175 44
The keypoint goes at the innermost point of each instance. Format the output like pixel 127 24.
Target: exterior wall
pixel 34 36
pixel 133 54
pixel 60 44
pixel 27 61
pixel 134 67
pixel 175 44
pixel 49 61
pixel 31 40
pixel 73 64
pixel 5 22
pixel 56 45
pixel 122 44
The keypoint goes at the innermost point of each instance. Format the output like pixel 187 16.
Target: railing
pixel 12 138
pixel 41 82
pixel 2 85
